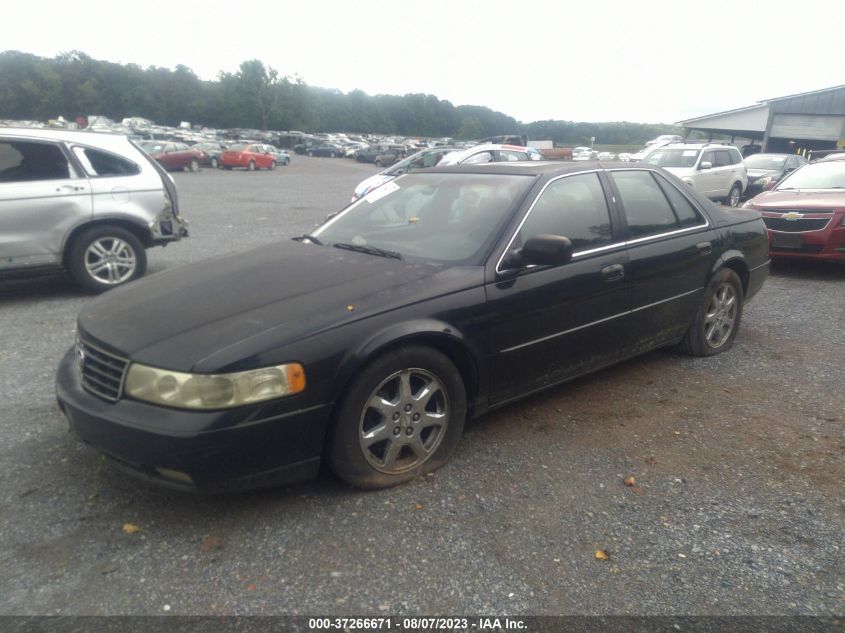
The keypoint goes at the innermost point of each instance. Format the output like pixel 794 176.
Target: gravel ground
pixel 739 463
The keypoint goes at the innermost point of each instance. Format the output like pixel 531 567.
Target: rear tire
pixel 194 166
pixel 287 162
pixel 251 166
pixel 214 163
pixel 272 165
pixel 717 320
pixel 104 257
pixel 401 417
pixel 311 154
pixel 734 195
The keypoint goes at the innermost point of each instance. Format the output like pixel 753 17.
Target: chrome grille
pixel 102 373
pixel 799 225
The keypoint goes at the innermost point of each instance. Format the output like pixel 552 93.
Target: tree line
pixel 258 96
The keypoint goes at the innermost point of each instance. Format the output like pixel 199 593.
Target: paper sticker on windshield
pixel 385 190
pixel 690 152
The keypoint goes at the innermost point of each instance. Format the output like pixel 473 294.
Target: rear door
pixel 552 323
pixel 672 248
pixel 41 198
pixel 726 171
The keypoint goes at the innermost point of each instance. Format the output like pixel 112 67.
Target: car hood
pixel 218 313
pixel 759 173
pixel 680 172
pixel 807 199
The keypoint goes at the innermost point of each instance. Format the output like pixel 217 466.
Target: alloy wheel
pixel 720 316
pixel 110 260
pixel 404 421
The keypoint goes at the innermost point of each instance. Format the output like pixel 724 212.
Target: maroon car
pixel 171 155
pixel 805 212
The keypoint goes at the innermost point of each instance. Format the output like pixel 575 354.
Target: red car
pixel 249 156
pixel 805 212
pixel 173 155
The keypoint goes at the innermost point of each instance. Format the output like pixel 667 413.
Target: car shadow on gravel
pixel 48 286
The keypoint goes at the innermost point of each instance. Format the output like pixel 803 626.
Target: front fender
pixel 434 331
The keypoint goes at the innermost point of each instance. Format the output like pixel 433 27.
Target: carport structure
pixel 800 123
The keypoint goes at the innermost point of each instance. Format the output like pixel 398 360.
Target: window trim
pixel 580 253
pixel 76 146
pixel 621 205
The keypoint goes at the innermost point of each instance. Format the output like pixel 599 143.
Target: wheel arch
pixel 426 332
pixel 136 228
pixel 736 262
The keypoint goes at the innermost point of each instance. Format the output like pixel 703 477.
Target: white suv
pixel 714 169
pixel 86 202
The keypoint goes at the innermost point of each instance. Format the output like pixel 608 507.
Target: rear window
pixel 99 163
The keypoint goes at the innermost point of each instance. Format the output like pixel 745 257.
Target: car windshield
pixel 765 161
pixel 443 218
pixel 673 157
pixel 420 160
pixel 816 176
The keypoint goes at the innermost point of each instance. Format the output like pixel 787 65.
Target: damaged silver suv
pixel 87 202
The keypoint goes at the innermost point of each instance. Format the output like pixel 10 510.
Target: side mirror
pixel 547 250
pixel 705 165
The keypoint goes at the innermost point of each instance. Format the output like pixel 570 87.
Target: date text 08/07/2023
pixel 417 624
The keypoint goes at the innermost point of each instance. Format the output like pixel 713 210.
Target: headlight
pixel 765 180
pixel 213 391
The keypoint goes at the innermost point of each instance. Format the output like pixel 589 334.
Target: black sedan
pixel 765 169
pixel 436 297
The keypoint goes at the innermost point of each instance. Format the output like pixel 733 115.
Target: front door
pixel 549 324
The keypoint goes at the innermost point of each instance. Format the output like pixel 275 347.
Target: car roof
pixel 537 167
pixel 99 139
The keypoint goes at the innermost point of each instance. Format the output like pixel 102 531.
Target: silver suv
pixel 86 202
pixel 714 169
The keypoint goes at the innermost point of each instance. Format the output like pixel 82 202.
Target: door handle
pixel 705 247
pixel 70 188
pixel 614 272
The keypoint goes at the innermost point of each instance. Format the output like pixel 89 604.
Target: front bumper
pixel 826 244
pixel 209 451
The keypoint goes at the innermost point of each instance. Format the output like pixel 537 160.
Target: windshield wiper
pixel 370 250
pixel 310 238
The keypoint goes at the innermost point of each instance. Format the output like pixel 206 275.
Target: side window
pixel 573 206
pixel 647 210
pixel 708 158
pixel 22 161
pixel 483 157
pixel 736 157
pixel 684 210
pixel 510 155
pixel 97 163
pixel 723 158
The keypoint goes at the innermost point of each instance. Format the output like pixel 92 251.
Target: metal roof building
pixel 794 123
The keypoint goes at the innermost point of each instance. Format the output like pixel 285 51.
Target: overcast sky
pixel 599 60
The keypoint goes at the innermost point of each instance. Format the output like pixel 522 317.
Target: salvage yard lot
pixel 737 506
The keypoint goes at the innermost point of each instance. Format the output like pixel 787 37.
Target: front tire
pixel 400 418
pixel 214 163
pixel 105 257
pixel 717 321
pixel 251 166
pixel 734 195
pixel 272 165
